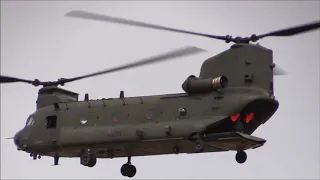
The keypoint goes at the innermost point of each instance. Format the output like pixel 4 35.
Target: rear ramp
pixel 233 141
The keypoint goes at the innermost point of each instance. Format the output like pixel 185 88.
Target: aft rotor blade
pixel 189 50
pixel 7 79
pixel 278 71
pixel 105 18
pixel 293 30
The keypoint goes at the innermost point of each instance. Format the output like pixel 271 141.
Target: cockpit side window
pixel 30 121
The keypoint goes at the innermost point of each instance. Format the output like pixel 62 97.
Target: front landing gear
pixel 35 156
pixel 128 169
pixel 241 156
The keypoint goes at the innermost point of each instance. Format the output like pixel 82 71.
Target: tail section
pixel 243 65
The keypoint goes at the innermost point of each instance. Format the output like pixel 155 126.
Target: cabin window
pixel 51 122
pixel 182 112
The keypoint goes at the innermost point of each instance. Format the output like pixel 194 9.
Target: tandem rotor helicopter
pixel 220 109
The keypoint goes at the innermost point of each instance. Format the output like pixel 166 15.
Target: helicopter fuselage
pixel 224 117
pixel 150 125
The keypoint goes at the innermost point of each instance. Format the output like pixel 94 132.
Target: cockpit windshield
pixel 30 121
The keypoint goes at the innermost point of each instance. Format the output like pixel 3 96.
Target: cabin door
pixel 52 130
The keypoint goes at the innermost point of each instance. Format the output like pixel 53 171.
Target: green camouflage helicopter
pixel 220 109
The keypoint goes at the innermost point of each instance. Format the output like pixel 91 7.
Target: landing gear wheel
pixel 128 170
pixel 241 157
pixel 199 147
pixel 88 159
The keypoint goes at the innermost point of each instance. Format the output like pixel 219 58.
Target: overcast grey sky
pixel 38 42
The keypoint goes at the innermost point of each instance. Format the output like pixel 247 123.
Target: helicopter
pixel 218 111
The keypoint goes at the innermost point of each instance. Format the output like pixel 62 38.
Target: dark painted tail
pixel 244 65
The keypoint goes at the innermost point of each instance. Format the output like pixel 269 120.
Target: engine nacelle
pixel 193 85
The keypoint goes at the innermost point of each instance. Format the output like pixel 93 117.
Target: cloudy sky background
pixel 38 42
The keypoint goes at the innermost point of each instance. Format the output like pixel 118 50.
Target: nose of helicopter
pixel 16 139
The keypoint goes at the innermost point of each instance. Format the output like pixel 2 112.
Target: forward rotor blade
pixel 7 79
pixel 293 30
pixel 189 50
pixel 279 71
pixel 105 18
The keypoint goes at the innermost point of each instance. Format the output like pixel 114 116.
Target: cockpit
pixel 21 137
pixel 30 121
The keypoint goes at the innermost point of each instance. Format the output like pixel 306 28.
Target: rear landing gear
pixel 241 156
pixel 128 169
pixel 88 159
